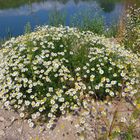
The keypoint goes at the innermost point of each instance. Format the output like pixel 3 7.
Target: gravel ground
pixel 14 128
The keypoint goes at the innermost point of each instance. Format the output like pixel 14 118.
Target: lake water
pixel 15 14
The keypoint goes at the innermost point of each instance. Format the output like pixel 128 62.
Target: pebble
pixel 12 119
pixel 2 126
pixel 82 138
pixel 2 119
pixel 2 133
pixel 20 130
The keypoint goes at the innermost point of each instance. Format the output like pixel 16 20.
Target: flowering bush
pixel 54 70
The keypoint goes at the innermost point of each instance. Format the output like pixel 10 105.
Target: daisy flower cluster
pixel 53 70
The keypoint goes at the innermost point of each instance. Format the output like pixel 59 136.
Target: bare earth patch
pixel 13 128
pixel 102 119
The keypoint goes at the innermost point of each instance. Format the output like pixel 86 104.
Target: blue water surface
pixel 13 18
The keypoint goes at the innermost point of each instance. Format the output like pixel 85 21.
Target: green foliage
pixel 112 31
pixel 15 3
pixel 127 136
pixel 57 18
pixel 95 25
pixel 86 22
pixel 27 28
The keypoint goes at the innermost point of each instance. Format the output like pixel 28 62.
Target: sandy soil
pixel 12 127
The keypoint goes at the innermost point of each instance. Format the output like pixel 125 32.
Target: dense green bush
pixel 54 69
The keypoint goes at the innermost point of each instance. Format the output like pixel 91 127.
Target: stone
pixel 2 133
pixel 20 130
pixel 2 119
pixel 12 119
pixel 2 125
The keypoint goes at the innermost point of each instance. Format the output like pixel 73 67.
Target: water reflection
pixel 107 5
pixel 14 14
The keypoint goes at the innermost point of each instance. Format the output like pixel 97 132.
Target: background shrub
pixel 132 30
